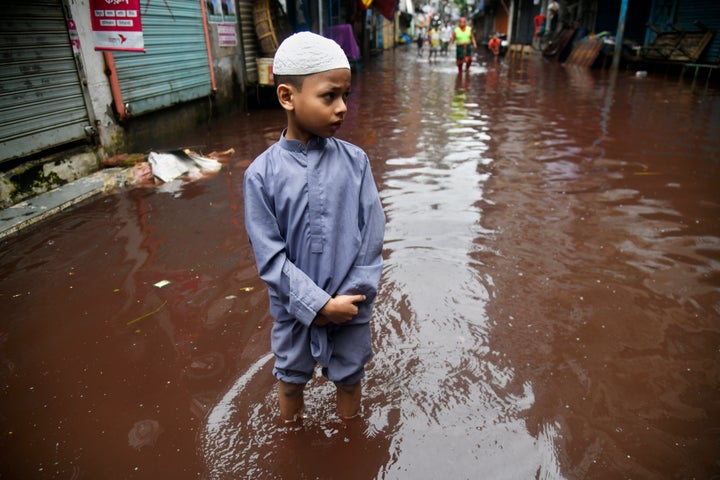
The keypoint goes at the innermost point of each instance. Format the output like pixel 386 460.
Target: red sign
pixel 116 25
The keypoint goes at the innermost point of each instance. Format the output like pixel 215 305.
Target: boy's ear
pixel 285 94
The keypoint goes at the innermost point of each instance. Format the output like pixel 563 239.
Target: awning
pixel 385 7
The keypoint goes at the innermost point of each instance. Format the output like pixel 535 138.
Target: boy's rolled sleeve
pixel 305 299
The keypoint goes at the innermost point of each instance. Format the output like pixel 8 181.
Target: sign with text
pixel 116 25
pixel 226 35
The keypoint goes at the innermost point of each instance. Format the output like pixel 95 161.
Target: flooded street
pixel 549 308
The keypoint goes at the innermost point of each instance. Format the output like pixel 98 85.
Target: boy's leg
pixel 346 369
pixel 348 400
pixel 291 400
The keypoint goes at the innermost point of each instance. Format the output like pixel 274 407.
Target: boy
pixel 316 225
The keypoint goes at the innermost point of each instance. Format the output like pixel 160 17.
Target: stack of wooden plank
pixel 678 45
pixel 585 52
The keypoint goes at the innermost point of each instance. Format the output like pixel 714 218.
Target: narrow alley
pixel 549 308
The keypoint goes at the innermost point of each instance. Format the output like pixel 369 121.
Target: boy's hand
pixel 339 309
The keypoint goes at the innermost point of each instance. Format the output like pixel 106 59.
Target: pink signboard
pixel 116 25
pixel 226 35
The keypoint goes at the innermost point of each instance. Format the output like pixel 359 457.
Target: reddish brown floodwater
pixel 550 305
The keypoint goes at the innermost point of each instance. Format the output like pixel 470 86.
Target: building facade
pixel 65 105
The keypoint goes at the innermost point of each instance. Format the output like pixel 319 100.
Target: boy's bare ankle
pixel 348 400
pixel 294 423
pixel 296 419
pixel 291 401
pixel 351 417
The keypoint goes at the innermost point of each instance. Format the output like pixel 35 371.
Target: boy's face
pixel 319 107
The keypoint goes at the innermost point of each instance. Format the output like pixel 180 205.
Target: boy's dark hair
pixel 294 80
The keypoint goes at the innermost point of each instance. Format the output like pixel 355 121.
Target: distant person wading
pixel 465 41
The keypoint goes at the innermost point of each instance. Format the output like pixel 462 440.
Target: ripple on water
pixel 431 327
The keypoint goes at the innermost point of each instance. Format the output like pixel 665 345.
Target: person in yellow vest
pixel 465 40
pixel 434 41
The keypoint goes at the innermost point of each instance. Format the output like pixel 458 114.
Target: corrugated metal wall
pixel 683 13
pixel 251 50
pixel 708 12
pixel 174 67
pixel 41 98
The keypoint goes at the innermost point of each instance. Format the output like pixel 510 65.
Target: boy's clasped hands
pixel 339 309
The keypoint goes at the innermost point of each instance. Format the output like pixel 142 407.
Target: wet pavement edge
pixel 21 215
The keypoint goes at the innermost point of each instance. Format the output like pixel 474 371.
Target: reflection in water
pixel 615 302
pixel 531 282
pixel 550 305
pixel 242 437
pixel 451 396
pixel 434 384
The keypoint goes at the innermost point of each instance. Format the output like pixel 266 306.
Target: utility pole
pixel 619 36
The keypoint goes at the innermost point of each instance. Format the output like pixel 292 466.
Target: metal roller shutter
pixel 707 12
pixel 251 50
pixel 42 104
pixel 174 67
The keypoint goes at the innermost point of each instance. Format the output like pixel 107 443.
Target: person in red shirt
pixel 494 45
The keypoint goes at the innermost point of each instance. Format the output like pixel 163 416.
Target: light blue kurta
pixel 316 226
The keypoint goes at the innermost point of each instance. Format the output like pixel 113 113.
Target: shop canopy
pixel 385 7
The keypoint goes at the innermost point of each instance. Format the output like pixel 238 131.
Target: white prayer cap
pixel 305 53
